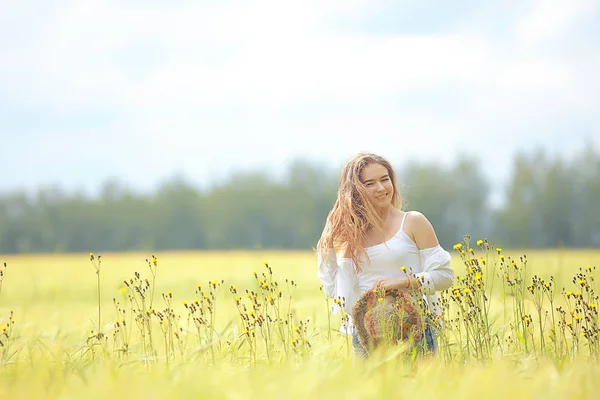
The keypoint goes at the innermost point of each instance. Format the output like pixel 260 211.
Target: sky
pixel 142 90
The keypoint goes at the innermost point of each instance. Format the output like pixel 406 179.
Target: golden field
pixel 51 351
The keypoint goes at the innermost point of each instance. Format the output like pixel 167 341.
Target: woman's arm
pixel 437 275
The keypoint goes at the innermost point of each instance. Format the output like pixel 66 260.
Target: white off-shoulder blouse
pixel 432 265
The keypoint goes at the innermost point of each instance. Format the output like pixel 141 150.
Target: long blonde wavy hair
pixel 353 214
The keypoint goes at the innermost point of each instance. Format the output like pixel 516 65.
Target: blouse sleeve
pixel 339 281
pixel 437 274
pixel 328 269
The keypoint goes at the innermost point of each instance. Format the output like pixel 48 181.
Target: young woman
pixel 369 242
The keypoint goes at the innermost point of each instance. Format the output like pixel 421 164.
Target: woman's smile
pixel 381 197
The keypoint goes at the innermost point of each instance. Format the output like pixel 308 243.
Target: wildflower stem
pixel 99 302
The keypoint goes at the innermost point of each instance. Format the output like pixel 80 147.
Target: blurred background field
pixel 55 305
pixel 47 284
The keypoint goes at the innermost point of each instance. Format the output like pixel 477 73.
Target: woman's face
pixel 378 183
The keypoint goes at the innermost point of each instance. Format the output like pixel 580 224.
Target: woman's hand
pixel 400 282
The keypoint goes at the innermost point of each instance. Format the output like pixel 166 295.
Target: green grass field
pixel 51 351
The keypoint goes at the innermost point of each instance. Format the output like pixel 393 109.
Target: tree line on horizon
pixel 549 203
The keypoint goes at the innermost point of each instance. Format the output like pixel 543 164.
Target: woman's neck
pixel 384 212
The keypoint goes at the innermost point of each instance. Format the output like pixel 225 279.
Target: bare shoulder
pixel 420 230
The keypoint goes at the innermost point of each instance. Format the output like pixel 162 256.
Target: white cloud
pixel 551 19
pixel 208 84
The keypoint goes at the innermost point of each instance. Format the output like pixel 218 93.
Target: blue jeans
pixel 429 338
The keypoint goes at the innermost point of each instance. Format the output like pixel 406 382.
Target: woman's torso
pixel 385 260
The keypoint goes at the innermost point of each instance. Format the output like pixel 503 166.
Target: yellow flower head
pixel 479 242
pixel 458 246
